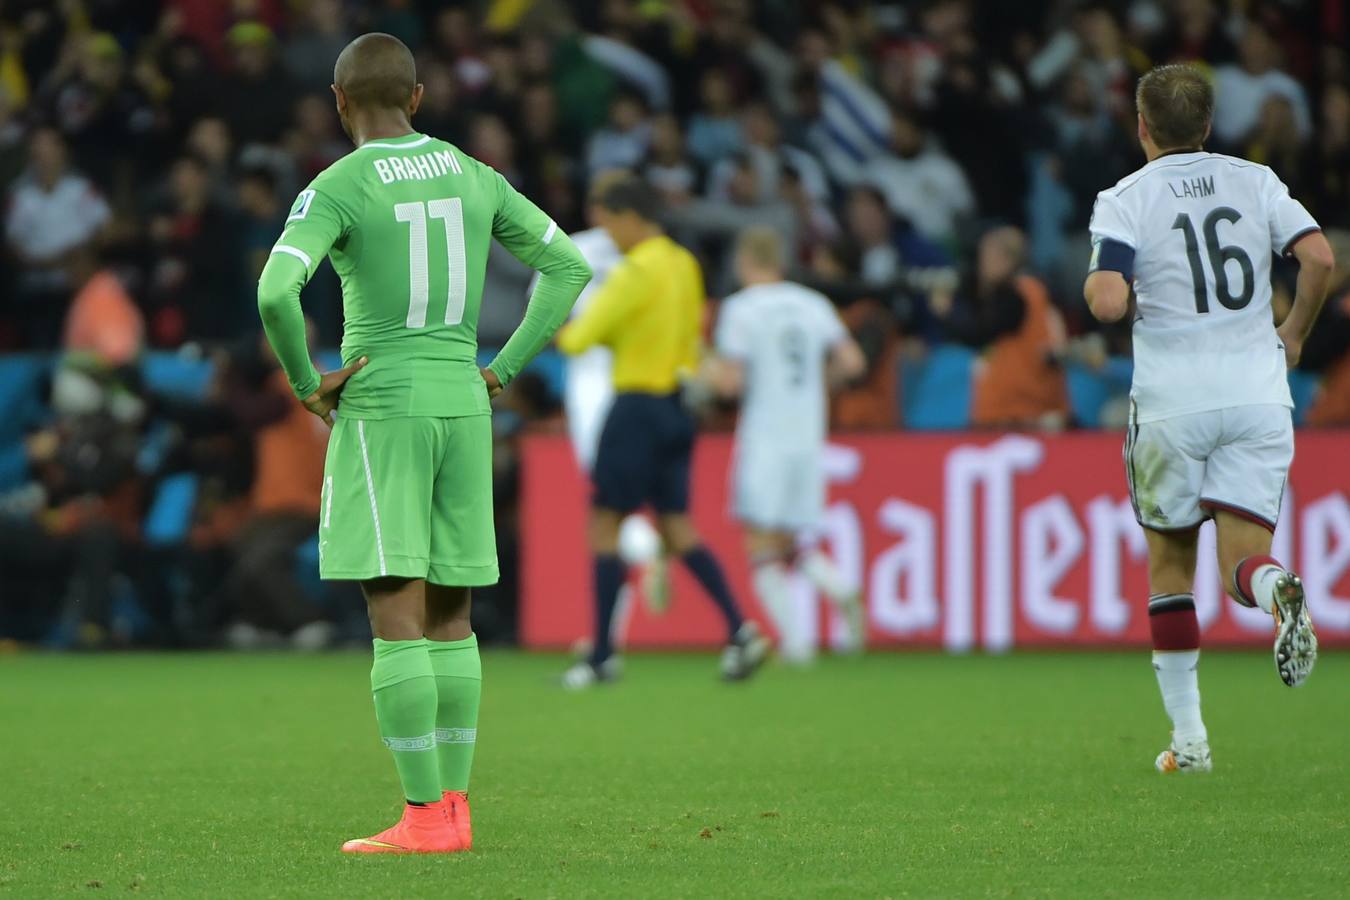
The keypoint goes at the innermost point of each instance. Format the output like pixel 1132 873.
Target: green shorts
pixel 409 497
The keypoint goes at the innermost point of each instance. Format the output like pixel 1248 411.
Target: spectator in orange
pixel 288 457
pixel 1007 314
pixel 871 401
pixel 261 592
pixel 103 320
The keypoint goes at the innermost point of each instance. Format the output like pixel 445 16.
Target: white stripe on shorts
pixel 370 489
pixel 328 501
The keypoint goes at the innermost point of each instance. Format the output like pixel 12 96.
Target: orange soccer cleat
pixel 457 806
pixel 423 829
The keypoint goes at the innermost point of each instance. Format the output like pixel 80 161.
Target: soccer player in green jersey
pixel 407 493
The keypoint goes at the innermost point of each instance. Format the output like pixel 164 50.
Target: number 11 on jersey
pixel 451 212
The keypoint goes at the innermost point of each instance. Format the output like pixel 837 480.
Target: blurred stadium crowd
pixel 933 163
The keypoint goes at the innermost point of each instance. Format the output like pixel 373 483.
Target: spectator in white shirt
pixel 770 156
pixel 1242 89
pixel 53 214
pixel 668 166
pixel 921 183
pixel 623 142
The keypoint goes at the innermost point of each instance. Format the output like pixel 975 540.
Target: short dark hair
pixel 630 194
pixel 377 71
pixel 1177 103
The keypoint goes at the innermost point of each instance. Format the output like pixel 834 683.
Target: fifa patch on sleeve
pixel 300 208
pixel 1112 256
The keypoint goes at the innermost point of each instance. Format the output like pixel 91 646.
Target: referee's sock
pixel 609 577
pixel 703 566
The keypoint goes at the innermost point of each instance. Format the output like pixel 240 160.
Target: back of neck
pixel 380 126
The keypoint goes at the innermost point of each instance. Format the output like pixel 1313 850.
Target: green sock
pixel 405 706
pixel 459 682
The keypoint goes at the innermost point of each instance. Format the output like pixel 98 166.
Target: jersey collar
pixel 399 143
pixel 1180 153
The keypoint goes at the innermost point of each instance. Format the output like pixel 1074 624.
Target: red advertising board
pixel 961 541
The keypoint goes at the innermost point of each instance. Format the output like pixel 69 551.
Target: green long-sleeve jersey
pixel 407 222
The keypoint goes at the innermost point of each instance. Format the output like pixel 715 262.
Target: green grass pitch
pixel 890 776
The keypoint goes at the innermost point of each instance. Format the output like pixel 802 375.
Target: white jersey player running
pixel 779 346
pixel 1210 434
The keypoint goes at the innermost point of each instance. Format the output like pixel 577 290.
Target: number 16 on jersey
pixel 1219 257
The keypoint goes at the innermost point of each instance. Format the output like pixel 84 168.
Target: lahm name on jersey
pixel 418 167
pixel 1195 187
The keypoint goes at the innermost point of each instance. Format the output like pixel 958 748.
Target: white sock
pixel 1263 586
pixel 774 589
pixel 1180 687
pixel 825 575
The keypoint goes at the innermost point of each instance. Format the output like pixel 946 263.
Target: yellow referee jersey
pixel 649 312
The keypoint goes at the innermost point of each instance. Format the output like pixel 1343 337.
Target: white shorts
pixel 588 393
pixel 1182 469
pixel 779 489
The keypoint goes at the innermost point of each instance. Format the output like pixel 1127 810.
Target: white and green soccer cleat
pixel 1192 757
pixel 1295 639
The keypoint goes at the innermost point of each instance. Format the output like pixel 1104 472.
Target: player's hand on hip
pixel 494 384
pixel 1293 346
pixel 324 400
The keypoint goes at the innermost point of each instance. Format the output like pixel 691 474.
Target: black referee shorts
pixel 644 454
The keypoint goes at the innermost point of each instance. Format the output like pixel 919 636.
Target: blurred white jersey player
pixel 588 393
pixel 588 390
pixel 780 346
pixel 1210 433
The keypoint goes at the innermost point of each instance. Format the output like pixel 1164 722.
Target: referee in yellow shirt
pixel 649 312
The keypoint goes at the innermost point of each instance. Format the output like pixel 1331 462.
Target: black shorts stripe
pixel 1131 438
pixel 1165 603
pixel 1161 530
pixel 1209 504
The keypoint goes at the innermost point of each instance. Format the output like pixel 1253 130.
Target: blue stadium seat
pixel 170 514
pixel 21 399
pixel 936 389
pixel 328 360
pixel 552 367
pixel 13 465
pixel 1303 387
pixel 1089 389
pixel 307 568
pixel 1087 392
pixel 176 374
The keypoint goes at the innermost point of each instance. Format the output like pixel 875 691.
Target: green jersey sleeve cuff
pixel 307 384
pixel 499 368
